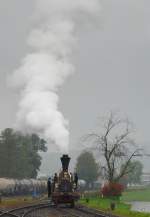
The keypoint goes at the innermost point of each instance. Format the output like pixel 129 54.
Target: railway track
pixel 23 211
pixel 73 213
pixel 47 209
pixel 81 212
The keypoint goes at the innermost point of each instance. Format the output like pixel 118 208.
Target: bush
pixel 112 190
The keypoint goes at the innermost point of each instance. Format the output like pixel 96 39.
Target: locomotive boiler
pixel 64 186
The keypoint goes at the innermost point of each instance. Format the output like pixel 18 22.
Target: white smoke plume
pixel 47 66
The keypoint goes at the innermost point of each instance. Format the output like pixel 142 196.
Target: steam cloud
pixel 48 65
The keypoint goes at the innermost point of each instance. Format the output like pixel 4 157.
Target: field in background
pixel 122 208
pixel 134 194
pixel 137 195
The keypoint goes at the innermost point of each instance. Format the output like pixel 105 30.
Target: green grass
pixel 137 195
pixel 121 209
pixel 105 204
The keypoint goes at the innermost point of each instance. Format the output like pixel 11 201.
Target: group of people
pixel 55 180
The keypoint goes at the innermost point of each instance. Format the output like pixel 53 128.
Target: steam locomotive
pixel 64 186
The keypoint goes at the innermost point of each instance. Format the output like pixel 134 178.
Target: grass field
pixel 137 195
pixel 122 209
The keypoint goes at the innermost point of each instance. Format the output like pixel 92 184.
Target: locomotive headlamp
pixel 65 175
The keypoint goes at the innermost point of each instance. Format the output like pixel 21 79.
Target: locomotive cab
pixel 64 188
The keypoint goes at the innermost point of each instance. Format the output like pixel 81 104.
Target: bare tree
pixel 115 145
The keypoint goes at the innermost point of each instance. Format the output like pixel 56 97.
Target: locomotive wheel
pixel 72 204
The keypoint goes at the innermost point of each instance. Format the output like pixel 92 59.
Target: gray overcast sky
pixel 112 65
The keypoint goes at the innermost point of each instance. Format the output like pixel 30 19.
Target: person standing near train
pixel 49 187
pixel 76 179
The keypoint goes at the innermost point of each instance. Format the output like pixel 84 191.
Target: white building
pixel 145 179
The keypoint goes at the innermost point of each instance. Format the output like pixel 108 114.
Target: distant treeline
pixel 19 154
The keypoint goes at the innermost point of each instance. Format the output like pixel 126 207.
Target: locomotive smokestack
pixel 65 159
